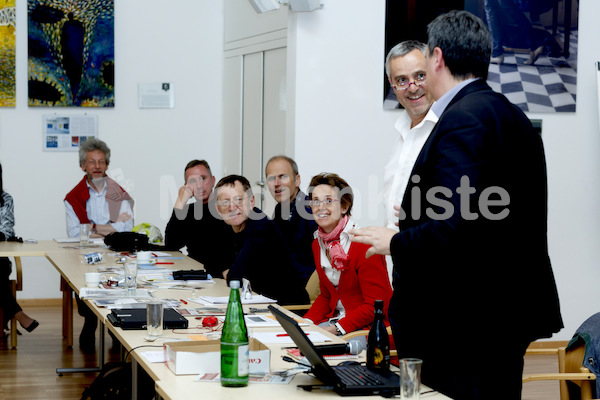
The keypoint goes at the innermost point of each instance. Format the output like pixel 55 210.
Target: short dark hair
pixel 230 180
pixel 194 163
pixel 465 41
pixel 333 180
pixel 286 158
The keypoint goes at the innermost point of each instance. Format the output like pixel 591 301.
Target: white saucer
pixel 149 262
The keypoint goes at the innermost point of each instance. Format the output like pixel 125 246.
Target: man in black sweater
pixel 261 254
pixel 197 226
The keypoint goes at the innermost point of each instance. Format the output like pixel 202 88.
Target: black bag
pixel 127 241
pixel 113 382
pixel 190 275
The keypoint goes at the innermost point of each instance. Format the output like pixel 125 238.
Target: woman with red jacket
pixel 349 282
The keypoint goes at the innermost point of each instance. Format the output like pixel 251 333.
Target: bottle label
pixel 243 360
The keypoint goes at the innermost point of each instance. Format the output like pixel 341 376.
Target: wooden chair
pixel 14 286
pixel 312 288
pixel 575 380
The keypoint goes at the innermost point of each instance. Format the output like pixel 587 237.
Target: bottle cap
pixel 234 284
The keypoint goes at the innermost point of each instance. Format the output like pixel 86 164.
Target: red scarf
pixel 338 256
pixel 80 194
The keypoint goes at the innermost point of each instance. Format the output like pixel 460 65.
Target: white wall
pixel 179 42
pixel 341 127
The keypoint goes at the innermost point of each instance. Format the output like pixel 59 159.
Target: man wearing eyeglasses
pixel 487 277
pixel 97 199
pixel 261 254
pixel 195 223
pixel 100 201
pixel 405 69
pixel 294 220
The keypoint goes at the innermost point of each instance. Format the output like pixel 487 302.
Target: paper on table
pixel 76 240
pixel 209 300
pixel 93 293
pixel 154 356
pixel 272 337
pixel 267 378
pixel 263 321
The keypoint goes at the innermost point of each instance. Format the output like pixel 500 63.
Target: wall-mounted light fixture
pixel 262 6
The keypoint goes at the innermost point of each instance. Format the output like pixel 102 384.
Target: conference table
pixel 168 386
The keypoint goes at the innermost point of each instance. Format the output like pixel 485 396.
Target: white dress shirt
pixel 405 153
pixel 97 211
pixel 398 169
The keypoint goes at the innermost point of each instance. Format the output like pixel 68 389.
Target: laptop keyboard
pixel 358 377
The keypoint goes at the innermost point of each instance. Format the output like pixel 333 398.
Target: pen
pixel 183 301
pixel 285 334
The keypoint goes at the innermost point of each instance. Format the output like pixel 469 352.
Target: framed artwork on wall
pixel 534 49
pixel 71 53
pixel 7 53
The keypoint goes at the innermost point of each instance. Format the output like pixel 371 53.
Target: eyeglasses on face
pixel 405 84
pixel 227 203
pixel 317 203
pixel 282 178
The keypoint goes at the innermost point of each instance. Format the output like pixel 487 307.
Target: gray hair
pixel 92 144
pixel 402 49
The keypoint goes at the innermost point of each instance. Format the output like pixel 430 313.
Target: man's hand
pixel 185 193
pixel 377 237
pixel 124 217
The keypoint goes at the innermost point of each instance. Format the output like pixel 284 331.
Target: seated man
pixel 293 219
pixel 100 201
pixel 97 199
pixel 198 226
pixel 261 254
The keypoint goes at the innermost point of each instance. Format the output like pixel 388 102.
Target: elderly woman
pixel 349 282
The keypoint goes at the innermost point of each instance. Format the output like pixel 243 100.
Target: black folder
pixel 135 318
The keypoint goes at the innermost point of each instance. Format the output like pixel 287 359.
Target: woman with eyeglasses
pixel 8 303
pixel 349 282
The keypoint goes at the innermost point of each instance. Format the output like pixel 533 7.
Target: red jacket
pixel 80 194
pixel 364 281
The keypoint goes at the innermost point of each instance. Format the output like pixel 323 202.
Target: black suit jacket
pixel 459 278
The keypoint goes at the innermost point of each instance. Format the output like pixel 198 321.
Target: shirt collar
pixel 440 106
pixel 403 122
pixel 92 191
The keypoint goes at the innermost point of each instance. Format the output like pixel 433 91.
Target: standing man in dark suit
pixel 473 284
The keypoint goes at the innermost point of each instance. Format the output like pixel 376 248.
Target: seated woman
pixel 349 282
pixel 8 303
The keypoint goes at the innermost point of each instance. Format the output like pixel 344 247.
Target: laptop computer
pixel 349 380
pixel 135 318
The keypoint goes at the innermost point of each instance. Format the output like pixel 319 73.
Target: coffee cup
pixel 92 279
pixel 144 257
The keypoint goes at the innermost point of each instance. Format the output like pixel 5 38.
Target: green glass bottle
pixel 235 356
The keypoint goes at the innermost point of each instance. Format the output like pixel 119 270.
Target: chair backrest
pixel 570 361
pixel 312 286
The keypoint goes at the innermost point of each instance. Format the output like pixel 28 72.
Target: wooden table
pixel 168 385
